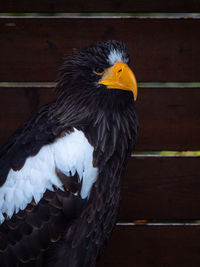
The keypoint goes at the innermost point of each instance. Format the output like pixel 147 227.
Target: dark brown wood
pixel 155 246
pixel 100 6
pixel 169 117
pixel 18 104
pixel 161 187
pixel 31 49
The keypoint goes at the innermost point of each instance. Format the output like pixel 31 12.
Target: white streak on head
pixel 116 56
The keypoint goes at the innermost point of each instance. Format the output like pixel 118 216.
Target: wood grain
pixel 32 49
pixel 100 6
pixel 161 188
pixel 169 117
pixel 145 246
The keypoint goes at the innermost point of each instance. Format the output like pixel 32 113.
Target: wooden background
pixel 51 6
pixel 163 189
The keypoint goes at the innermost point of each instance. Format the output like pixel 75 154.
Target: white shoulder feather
pixel 70 153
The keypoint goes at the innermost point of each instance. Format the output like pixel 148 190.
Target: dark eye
pixel 99 71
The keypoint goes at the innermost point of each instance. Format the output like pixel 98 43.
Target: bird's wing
pixel 45 181
pixel 26 141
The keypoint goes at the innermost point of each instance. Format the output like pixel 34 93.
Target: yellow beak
pixel 120 76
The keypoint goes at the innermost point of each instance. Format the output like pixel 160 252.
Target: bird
pixel 61 171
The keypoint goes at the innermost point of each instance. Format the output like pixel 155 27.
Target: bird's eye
pixel 99 71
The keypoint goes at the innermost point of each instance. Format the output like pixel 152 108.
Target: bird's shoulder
pixel 44 185
pixel 38 158
pixel 26 141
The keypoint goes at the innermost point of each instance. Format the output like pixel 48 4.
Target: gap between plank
pixel 140 84
pixel 103 15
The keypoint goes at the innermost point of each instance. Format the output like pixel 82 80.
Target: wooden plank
pixel 31 49
pixel 162 188
pixel 143 246
pixel 101 6
pixel 169 117
pixel 18 104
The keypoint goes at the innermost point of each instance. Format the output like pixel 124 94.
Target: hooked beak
pixel 120 76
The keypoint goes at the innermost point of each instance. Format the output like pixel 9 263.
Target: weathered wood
pixel 31 49
pixel 169 117
pixel 143 246
pixel 164 188
pixel 18 104
pixel 100 6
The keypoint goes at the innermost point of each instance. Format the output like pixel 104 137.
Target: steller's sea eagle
pixel 60 173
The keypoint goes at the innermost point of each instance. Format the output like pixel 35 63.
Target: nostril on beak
pixel 120 70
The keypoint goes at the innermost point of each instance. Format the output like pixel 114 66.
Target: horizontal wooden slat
pixel 100 6
pixel 31 49
pixel 143 246
pixel 161 187
pixel 169 117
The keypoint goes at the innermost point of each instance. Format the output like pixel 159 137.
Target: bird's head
pixel 102 66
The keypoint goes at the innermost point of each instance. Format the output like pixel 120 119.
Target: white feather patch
pixel 116 56
pixel 70 153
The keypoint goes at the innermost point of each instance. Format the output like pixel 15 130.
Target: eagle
pixel 61 171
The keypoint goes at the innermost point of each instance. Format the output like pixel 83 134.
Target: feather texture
pixel 70 154
pixel 61 172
